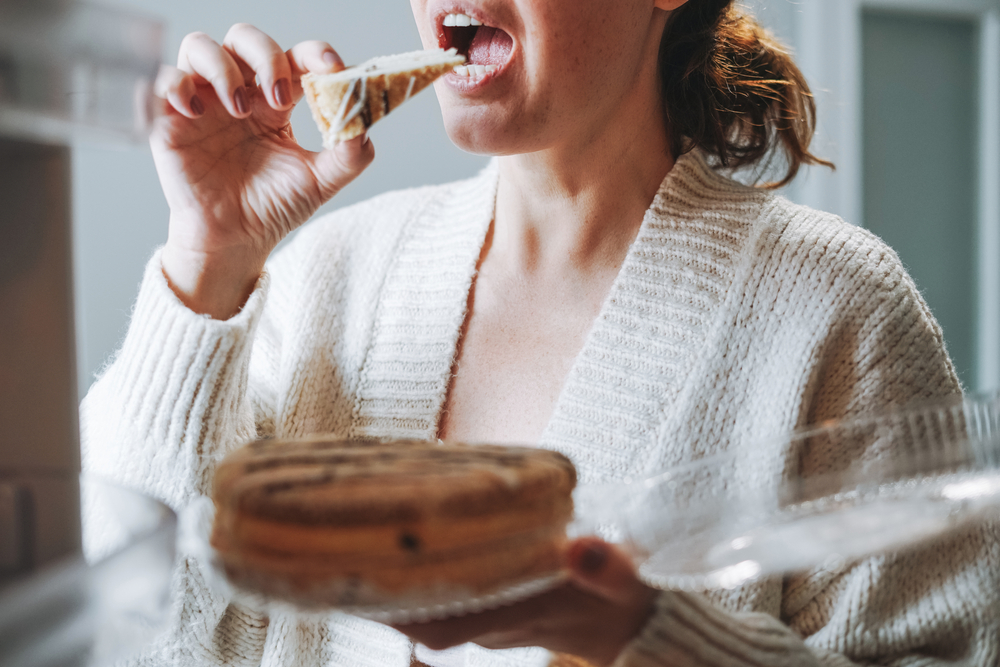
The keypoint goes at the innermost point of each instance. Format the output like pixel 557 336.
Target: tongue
pixel 490 46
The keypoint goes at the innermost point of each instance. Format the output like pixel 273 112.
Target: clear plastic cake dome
pixel 913 475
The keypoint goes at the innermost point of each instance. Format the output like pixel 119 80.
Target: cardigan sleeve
pixel 935 604
pixel 174 399
pixel 172 402
pixel 932 606
pixel 182 391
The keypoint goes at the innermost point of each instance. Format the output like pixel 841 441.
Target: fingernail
pixel 197 106
pixel 240 100
pixel 283 92
pixel 593 559
pixel 331 59
pixel 365 139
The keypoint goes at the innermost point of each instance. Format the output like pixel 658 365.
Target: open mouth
pixel 486 49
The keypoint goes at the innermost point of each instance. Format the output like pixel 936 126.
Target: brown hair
pixel 732 90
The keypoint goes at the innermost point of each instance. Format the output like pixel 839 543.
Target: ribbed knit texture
pixel 736 317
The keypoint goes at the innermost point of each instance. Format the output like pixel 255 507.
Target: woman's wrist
pixel 213 284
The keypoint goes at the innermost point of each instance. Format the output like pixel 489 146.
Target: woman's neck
pixel 577 207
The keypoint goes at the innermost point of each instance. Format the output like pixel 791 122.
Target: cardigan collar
pixel 614 408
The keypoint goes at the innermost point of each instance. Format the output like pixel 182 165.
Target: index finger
pixel 314 56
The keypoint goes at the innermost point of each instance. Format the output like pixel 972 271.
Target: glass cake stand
pixel 907 476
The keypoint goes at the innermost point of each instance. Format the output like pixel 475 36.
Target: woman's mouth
pixel 487 49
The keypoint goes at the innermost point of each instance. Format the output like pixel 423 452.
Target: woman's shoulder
pixel 814 242
pixel 713 191
pixel 791 253
pixel 763 227
pixel 821 268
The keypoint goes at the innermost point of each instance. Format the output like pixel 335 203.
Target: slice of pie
pixel 348 102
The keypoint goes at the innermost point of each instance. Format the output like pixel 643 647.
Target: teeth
pixel 475 71
pixel 461 21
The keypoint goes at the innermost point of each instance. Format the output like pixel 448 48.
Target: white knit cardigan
pixel 735 317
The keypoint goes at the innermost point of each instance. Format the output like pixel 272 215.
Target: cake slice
pixel 346 103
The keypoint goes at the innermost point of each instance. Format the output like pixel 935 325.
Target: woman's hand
pixel 602 607
pixel 234 177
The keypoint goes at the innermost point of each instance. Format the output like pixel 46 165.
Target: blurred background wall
pixel 909 97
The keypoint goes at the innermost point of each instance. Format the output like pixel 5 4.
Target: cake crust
pixel 316 520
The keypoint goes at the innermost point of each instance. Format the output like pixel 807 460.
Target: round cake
pixel 354 523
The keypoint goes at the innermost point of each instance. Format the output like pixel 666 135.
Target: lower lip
pixel 466 84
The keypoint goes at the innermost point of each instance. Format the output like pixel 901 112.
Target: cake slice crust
pixel 346 103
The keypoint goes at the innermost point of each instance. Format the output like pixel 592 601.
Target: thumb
pixel 336 167
pixel 603 569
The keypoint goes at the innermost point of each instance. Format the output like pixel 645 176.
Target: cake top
pixel 322 481
pixel 399 63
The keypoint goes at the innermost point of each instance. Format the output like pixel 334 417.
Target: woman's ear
pixel 669 5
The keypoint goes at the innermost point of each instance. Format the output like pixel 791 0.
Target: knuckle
pixel 278 62
pixel 167 79
pixel 325 46
pixel 220 80
pixel 194 38
pixel 244 32
pixel 237 29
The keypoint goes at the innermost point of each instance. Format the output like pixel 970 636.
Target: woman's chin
pixel 482 137
pixel 474 142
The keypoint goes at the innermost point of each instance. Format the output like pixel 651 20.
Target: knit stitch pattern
pixel 736 317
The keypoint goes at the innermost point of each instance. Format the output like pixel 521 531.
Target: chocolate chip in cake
pixel 409 542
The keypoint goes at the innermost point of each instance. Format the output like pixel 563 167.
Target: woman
pixel 600 281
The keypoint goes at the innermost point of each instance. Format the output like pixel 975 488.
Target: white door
pixel 909 103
